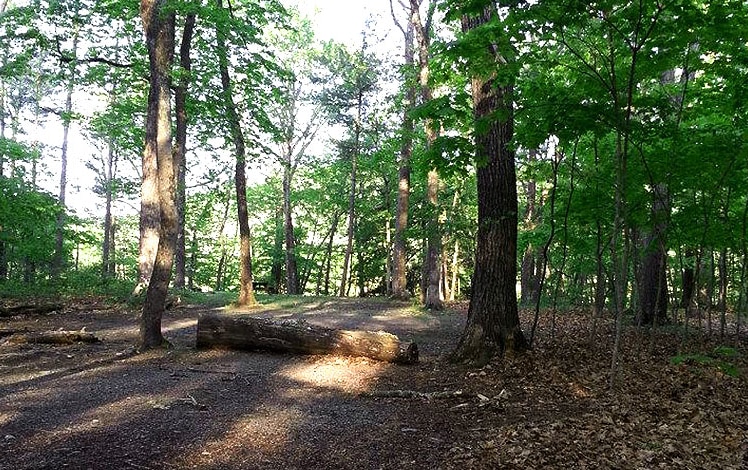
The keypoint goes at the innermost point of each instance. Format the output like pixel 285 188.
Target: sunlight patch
pixel 346 374
pixel 179 325
pixel 6 418
pixel 17 378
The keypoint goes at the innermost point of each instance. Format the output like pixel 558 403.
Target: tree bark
pixel 493 321
pixel 246 292
pixel 220 269
pixel 59 255
pixel 249 333
pixel 432 266
pixel 292 275
pixel 180 105
pixel 432 269
pixel 399 248
pixel 276 270
pixel 107 252
pixel 149 204
pixel 688 280
pixel 328 252
pixel 653 293
pixel 722 296
pixel 531 265
pixel 159 29
pixel 352 195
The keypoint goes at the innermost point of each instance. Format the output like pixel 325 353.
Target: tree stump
pixel 251 333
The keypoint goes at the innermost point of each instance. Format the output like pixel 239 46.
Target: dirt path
pixel 101 406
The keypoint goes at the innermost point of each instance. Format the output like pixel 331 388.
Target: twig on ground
pixel 447 394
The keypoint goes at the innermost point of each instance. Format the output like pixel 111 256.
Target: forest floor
pixel 680 400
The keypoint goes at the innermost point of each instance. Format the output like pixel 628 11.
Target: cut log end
pixel 251 333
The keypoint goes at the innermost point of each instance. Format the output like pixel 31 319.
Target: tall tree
pixel 159 26
pixel 399 247
pixel 350 78
pixel 432 295
pixel 246 291
pixel 180 105
pixel 67 117
pixel 298 124
pixel 493 321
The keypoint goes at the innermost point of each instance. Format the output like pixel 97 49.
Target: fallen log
pixel 251 333
pixel 30 309
pixel 52 337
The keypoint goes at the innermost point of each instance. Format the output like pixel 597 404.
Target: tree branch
pixel 66 59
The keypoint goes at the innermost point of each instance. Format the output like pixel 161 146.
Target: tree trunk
pixel 688 280
pixel 388 256
pixel 432 269
pixel 3 261
pixel 246 291
pixel 59 255
pixel 249 333
pixel 221 268
pixel 432 266
pixel 192 269
pixel 722 296
pixel 149 219
pixel 328 252
pixel 180 105
pixel 276 270
pixel 493 321
pixel 600 289
pixel 653 293
pixel 3 246
pixel 352 197
pixel 107 246
pixel 292 275
pixel 159 33
pixel 531 266
pixel 399 248
pixel 455 291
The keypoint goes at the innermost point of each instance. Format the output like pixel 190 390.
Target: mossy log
pixel 251 333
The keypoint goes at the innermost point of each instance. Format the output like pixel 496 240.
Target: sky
pixel 343 20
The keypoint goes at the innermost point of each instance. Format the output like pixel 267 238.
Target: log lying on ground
pixel 40 309
pixel 246 332
pixel 52 337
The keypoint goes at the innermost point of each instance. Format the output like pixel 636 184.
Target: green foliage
pixel 27 223
pixel 719 358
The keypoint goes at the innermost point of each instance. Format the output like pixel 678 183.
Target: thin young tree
pixel 246 291
pixel 180 110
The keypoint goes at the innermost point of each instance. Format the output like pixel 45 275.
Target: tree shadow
pixel 184 408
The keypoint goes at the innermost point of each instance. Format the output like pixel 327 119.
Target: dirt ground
pixel 103 406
